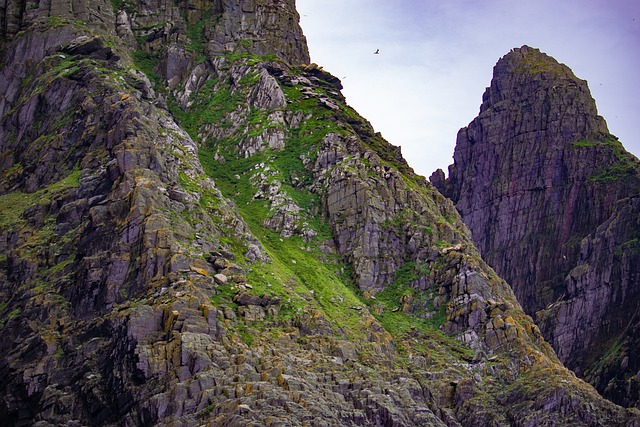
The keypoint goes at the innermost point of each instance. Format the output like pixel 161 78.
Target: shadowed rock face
pixel 256 26
pixel 195 229
pixel 550 197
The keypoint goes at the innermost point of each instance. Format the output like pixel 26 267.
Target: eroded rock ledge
pixel 550 197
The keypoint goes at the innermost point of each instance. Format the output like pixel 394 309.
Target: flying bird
pixel 376 52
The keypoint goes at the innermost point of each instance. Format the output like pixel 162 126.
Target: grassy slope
pixel 308 281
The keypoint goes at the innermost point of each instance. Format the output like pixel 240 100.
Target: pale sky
pixel 437 56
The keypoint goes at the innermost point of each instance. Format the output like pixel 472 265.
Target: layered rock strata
pixel 551 198
pixel 196 230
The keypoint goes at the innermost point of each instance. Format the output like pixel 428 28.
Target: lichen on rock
pixel 197 229
pixel 550 197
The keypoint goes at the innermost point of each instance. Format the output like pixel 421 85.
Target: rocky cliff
pixel 552 201
pixel 197 230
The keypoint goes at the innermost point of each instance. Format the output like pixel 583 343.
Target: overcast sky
pixel 437 56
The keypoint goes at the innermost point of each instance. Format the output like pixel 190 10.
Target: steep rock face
pixel 91 195
pixel 551 200
pixel 196 230
pixel 213 26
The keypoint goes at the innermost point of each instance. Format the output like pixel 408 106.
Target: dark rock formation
pixel 196 230
pixel 551 198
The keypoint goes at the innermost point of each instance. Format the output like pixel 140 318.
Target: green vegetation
pixel 14 314
pixel 13 205
pixel 195 33
pixel 401 292
pixel 207 410
pixel 245 334
pixel 147 62
pixel 304 279
pixel 117 5
pixel 536 63
pixel 600 140
pixel 56 21
pixel 610 353
pixel 3 306
pixel 207 200
pixel 210 105
pixel 308 283
pixel 623 166
pixel 300 276
pixel 630 247
pixel 62 265
pixel 249 79
pixel 54 66
pixel 584 143
pixel 249 59
pixel 615 172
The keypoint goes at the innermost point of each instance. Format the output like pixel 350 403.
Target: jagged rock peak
pixel 184 219
pixel 263 27
pixel 531 97
pixel 260 27
pixel 542 183
pixel 526 65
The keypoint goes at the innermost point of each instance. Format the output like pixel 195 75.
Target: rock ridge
pixel 539 180
pixel 197 230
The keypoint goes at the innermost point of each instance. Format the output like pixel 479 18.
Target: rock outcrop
pixel 551 198
pixel 197 230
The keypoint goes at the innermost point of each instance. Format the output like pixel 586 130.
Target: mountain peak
pixel 208 27
pixel 526 75
pixel 194 230
pixel 550 196
pixel 531 61
pixel 261 27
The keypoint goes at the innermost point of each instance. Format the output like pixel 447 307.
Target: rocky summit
pixel 196 229
pixel 553 203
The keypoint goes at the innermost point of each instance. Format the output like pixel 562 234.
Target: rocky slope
pixel 552 200
pixel 197 230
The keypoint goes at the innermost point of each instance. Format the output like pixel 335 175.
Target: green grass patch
pixel 249 79
pixel 206 199
pixel 610 356
pixel 57 21
pixel 210 105
pixel 388 153
pixel 195 33
pixel 302 278
pixel 250 59
pixel 624 165
pixel 244 334
pixel 117 5
pixel 14 314
pixel 62 265
pixel 437 346
pixel 536 63
pixel 54 67
pixel 629 247
pixel 147 63
pixel 616 172
pixel 13 205
pixel 400 293
pixel 305 279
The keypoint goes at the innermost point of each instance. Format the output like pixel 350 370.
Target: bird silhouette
pixel 376 52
